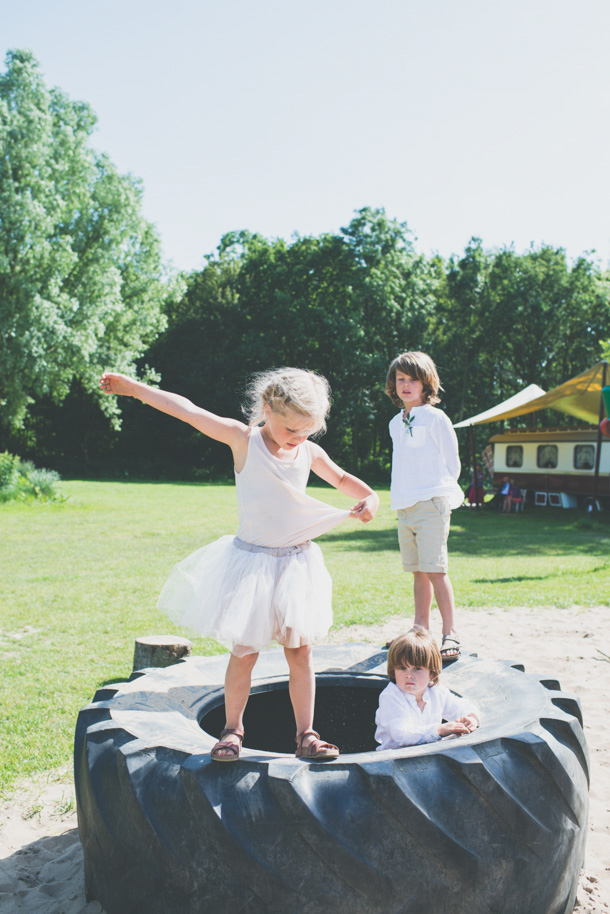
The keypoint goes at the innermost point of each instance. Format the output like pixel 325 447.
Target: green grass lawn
pixel 80 579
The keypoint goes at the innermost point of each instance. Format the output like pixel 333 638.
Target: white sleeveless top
pixel 274 509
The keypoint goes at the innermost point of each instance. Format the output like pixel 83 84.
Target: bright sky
pixel 479 117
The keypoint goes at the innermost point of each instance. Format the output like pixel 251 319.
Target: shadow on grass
pixel 513 580
pixel 365 539
pixel 485 533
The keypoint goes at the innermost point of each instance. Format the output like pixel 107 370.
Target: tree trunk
pixel 160 650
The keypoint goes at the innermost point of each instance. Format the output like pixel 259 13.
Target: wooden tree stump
pixel 160 650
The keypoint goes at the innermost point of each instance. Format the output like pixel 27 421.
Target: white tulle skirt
pixel 246 599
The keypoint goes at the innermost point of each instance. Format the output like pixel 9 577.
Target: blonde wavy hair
pixel 289 390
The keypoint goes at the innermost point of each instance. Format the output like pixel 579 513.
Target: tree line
pixel 83 288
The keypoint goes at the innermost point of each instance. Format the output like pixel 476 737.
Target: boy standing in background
pixel 424 489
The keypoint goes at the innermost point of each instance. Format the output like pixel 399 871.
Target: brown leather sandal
pixel 450 648
pixel 317 750
pixel 228 747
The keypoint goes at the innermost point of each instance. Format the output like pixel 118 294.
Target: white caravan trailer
pixel 555 465
pixel 563 466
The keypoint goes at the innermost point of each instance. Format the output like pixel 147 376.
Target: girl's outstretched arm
pixel 228 431
pixel 350 485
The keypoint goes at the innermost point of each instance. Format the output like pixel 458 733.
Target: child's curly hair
pixel 417 648
pixel 289 390
pixel 416 365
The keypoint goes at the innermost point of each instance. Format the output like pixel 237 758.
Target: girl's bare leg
pixel 238 681
pixel 301 686
pixel 302 689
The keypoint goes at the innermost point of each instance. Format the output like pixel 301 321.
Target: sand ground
pixel 41 862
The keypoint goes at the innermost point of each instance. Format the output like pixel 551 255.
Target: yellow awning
pixel 580 397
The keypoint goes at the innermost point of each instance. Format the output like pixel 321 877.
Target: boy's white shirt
pixel 425 464
pixel 401 723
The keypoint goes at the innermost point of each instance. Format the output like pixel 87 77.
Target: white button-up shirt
pixel 425 458
pixel 400 722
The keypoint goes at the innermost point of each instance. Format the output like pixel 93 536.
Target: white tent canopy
pixel 532 392
pixel 580 397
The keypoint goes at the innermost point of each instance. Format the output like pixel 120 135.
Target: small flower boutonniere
pixel 407 418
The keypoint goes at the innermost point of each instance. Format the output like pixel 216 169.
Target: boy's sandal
pixel 231 749
pixel 317 749
pixel 451 647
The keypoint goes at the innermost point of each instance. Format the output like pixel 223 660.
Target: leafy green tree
pixel 196 357
pixel 553 314
pixel 82 285
pixel 391 298
pixel 342 304
pixel 503 320
pixel 464 333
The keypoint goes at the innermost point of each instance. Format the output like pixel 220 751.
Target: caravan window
pixel 514 455
pixel 584 456
pixel 546 457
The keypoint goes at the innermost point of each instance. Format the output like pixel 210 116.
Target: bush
pixel 9 476
pixel 21 481
pixel 43 483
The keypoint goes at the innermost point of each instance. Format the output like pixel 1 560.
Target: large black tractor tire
pixel 489 823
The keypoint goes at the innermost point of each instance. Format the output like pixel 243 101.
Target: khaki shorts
pixel 423 530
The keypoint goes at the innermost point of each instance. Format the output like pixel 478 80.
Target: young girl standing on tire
pixel 268 582
pixel 425 469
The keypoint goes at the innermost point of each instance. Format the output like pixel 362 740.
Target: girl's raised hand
pixel 119 384
pixel 365 510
